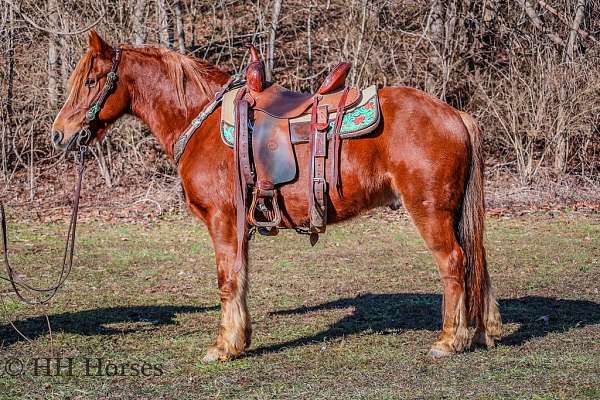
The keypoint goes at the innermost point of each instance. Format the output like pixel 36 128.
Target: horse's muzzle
pixel 57 138
pixel 81 138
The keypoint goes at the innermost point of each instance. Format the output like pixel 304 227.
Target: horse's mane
pixel 180 68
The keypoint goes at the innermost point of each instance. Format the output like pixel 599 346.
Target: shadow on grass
pixel 380 313
pixel 388 313
pixel 97 321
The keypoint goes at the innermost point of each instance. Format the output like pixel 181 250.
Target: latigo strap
pixel 243 176
pixel 318 184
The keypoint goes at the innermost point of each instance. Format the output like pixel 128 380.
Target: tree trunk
pixel 579 14
pixel 490 12
pixel 436 46
pixel 104 168
pixel 272 33
pixel 309 47
pixel 565 21
pixel 561 154
pixel 359 44
pixel 10 78
pixel 164 31
pixel 179 27
pixel 139 30
pixel 53 62
pixel 449 46
pixel 65 70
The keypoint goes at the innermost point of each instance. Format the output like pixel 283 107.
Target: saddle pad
pixel 359 120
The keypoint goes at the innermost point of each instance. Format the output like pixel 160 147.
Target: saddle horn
pixel 255 72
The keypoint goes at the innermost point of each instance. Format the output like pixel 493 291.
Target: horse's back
pixel 413 112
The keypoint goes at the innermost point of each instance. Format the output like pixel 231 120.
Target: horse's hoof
pixel 440 350
pixel 214 354
pixel 483 340
pixel 437 353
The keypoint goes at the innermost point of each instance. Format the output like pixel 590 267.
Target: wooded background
pixel 528 70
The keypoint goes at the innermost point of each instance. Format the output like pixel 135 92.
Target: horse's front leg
pixel 235 328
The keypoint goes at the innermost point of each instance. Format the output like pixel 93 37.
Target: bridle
pixel 83 138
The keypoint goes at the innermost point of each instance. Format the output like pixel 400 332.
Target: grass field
pixel 351 318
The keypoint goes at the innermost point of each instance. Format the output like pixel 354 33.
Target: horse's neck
pixel 154 101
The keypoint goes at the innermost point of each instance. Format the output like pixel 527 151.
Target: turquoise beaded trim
pixel 227 134
pixel 358 119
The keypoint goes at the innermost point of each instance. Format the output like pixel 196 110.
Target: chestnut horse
pixel 425 154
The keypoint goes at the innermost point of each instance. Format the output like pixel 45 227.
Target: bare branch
pixel 564 20
pixel 31 22
pixel 537 22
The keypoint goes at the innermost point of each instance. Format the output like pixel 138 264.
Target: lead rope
pixel 67 263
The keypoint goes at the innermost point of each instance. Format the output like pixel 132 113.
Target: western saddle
pixel 263 122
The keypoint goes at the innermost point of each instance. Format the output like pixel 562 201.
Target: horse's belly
pixel 364 185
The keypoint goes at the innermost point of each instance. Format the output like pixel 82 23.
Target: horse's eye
pixel 89 82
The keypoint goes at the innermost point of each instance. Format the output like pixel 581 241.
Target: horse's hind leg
pixel 436 226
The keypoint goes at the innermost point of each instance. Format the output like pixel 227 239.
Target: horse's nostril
pixel 57 137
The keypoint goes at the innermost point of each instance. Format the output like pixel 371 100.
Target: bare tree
pixel 138 16
pixel 53 60
pixel 579 14
pixel 504 61
pixel 436 27
pixel 538 23
pixel 164 31
pixel 565 21
pixel 272 34
pixel 65 70
pixel 10 76
pixel 179 27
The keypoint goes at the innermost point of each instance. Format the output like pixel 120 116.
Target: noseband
pixel 91 116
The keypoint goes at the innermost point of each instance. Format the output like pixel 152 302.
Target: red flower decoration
pixel 358 120
pixel 370 105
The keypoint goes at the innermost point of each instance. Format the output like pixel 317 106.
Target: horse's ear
pixel 98 45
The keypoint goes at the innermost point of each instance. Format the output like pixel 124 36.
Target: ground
pixel 352 317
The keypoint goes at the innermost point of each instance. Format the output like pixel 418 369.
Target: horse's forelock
pixel 79 76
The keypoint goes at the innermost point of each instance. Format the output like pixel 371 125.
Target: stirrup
pixel 264 190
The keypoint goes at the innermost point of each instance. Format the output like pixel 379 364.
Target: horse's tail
pixel 482 307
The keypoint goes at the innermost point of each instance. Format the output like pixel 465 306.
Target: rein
pixel 67 262
pixel 82 138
